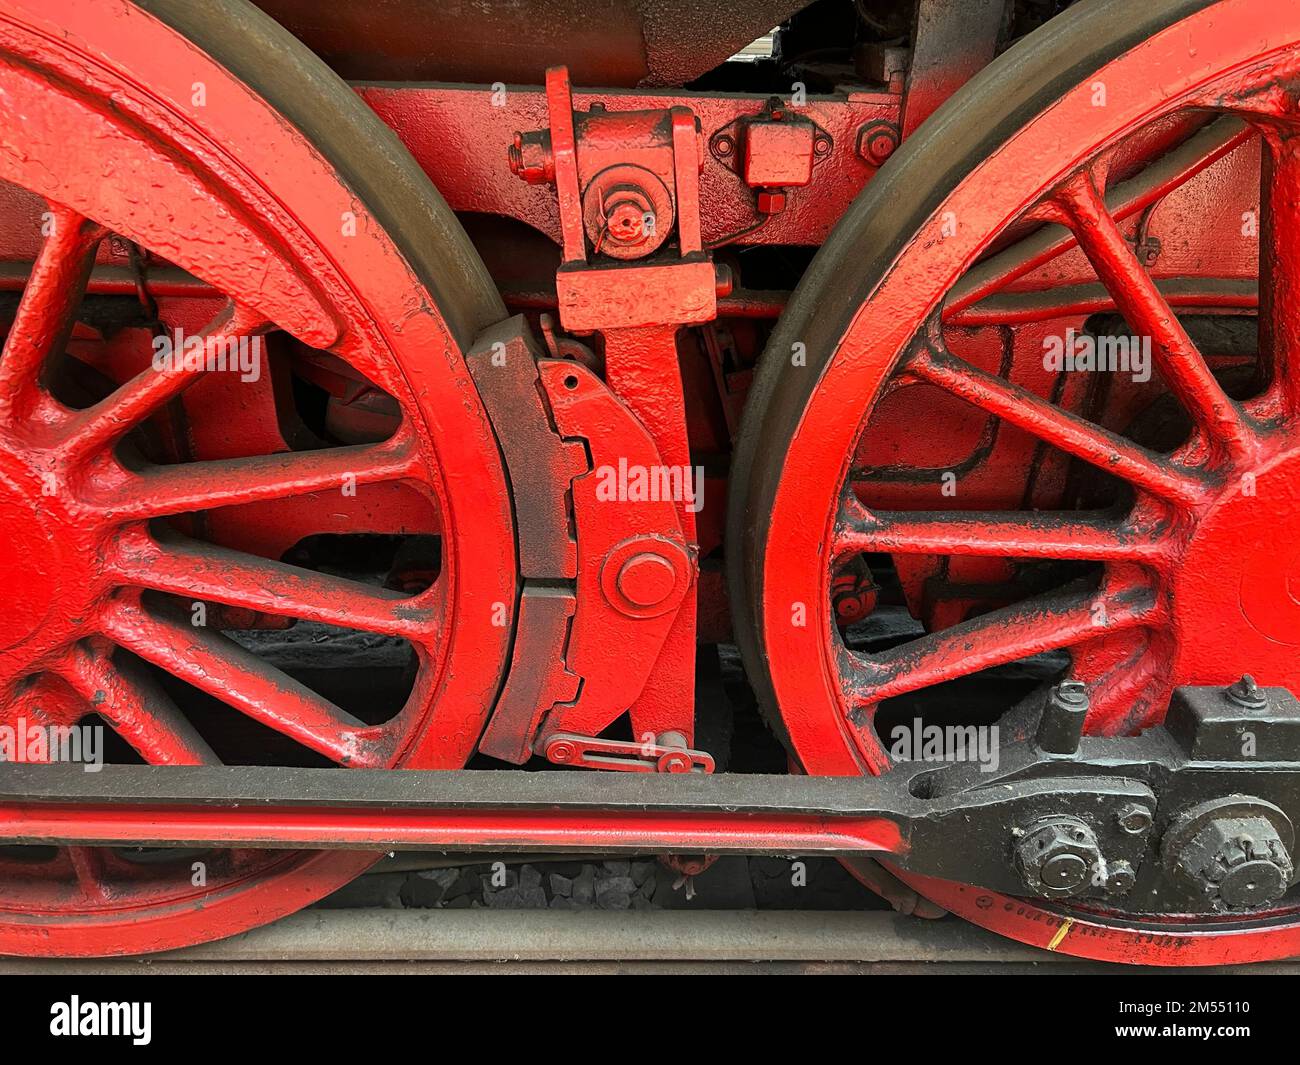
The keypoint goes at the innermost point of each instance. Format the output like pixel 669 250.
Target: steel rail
pixel 549 941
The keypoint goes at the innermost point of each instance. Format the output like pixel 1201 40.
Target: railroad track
pixel 601 942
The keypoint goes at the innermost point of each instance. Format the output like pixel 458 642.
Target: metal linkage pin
pixel 1061 725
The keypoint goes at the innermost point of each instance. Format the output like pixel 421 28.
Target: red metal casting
pixel 457 135
pixel 636 571
pixel 640 169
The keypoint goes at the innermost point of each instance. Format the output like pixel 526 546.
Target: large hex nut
pixel 1058 857
pixel 1231 854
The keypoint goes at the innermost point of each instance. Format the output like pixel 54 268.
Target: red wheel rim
pixel 866 318
pixel 244 201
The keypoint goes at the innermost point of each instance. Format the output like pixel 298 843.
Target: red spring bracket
pixel 627 185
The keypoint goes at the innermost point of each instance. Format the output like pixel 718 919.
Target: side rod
pixel 464 810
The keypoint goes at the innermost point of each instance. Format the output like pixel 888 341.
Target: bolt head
pixel 1072 692
pixel 1134 818
pixel 1237 862
pixel 877 141
pixel 723 281
pixel 1245 693
pixel 1064 871
pixel 770 202
pixel 645 576
pixel 675 762
pixel 625 222
pixel 1056 857
pixel 646 579
pixel 530 158
pixel 1120 878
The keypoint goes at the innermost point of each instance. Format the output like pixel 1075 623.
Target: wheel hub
pixel 1237 586
pixel 32 563
pixel 59 561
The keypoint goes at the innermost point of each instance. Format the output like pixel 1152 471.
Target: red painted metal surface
pixel 239 198
pixel 1192 575
pixel 933 367
pixel 458 136
pixel 452 830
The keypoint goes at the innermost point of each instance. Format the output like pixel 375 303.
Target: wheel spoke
pixel 1017 534
pixel 149 391
pixel 1279 266
pixel 1069 433
pixel 41 702
pixel 88 867
pixel 218 666
pixel 1137 297
pixel 218 575
pixel 1200 151
pixel 1045 623
pixel 138 709
pixel 1131 693
pixel 1190 294
pixel 48 307
pixel 165 490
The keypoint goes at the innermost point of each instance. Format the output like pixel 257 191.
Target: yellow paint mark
pixel 1061 933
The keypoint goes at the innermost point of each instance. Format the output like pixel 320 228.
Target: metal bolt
pixel 1072 692
pixel 877 141
pixel 674 761
pixel 625 221
pixel 1061 726
pixel 530 158
pixel 1134 818
pixel 723 281
pixel 646 579
pixel 1120 878
pixel 1064 871
pixel 1246 694
pixel 1056 856
pixel 1238 862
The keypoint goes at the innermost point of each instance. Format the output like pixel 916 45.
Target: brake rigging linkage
pixel 1193 816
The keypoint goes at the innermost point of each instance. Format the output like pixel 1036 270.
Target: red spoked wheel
pixel 1041 522
pixel 147 507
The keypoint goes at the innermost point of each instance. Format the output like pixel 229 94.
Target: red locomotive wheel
pixel 207 136
pixel 1148 540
